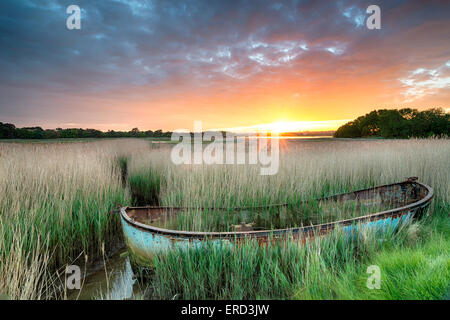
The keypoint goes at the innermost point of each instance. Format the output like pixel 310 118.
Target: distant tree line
pixel 398 123
pixel 9 131
pixel 307 133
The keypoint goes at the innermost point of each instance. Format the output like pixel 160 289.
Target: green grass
pixel 417 269
pixel 251 271
pixel 145 186
pixel 414 264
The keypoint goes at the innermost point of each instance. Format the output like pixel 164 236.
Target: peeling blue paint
pixel 382 225
pixel 150 243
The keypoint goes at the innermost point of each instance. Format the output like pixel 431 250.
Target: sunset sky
pixel 163 64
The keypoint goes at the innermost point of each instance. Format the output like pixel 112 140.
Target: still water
pixel 115 281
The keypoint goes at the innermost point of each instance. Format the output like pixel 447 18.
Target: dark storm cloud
pixel 158 47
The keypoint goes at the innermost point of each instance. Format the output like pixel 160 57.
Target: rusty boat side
pixel 144 240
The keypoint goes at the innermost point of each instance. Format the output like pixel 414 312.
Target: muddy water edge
pixel 112 277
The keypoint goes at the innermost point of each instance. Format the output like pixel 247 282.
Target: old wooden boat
pixel 411 198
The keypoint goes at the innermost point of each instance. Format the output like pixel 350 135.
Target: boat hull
pixel 144 241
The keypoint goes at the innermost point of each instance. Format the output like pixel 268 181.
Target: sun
pixel 281 127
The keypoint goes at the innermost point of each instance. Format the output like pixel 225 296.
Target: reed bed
pixel 54 204
pixel 308 170
pixel 329 268
pixel 54 200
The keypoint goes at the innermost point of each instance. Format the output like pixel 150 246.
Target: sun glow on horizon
pixel 283 126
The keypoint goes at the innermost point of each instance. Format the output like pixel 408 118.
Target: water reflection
pixel 113 282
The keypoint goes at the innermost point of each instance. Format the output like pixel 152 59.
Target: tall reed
pixel 54 204
pixel 308 170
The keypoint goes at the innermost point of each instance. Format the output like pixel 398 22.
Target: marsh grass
pixel 308 170
pixel 54 200
pixel 329 268
pixel 145 186
pixel 145 177
pixel 54 204
pixel 414 261
pixel 276 271
pixel 417 267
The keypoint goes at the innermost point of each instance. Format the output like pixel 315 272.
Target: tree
pixel 393 123
pixel 7 131
pixel 158 133
pixel 349 130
